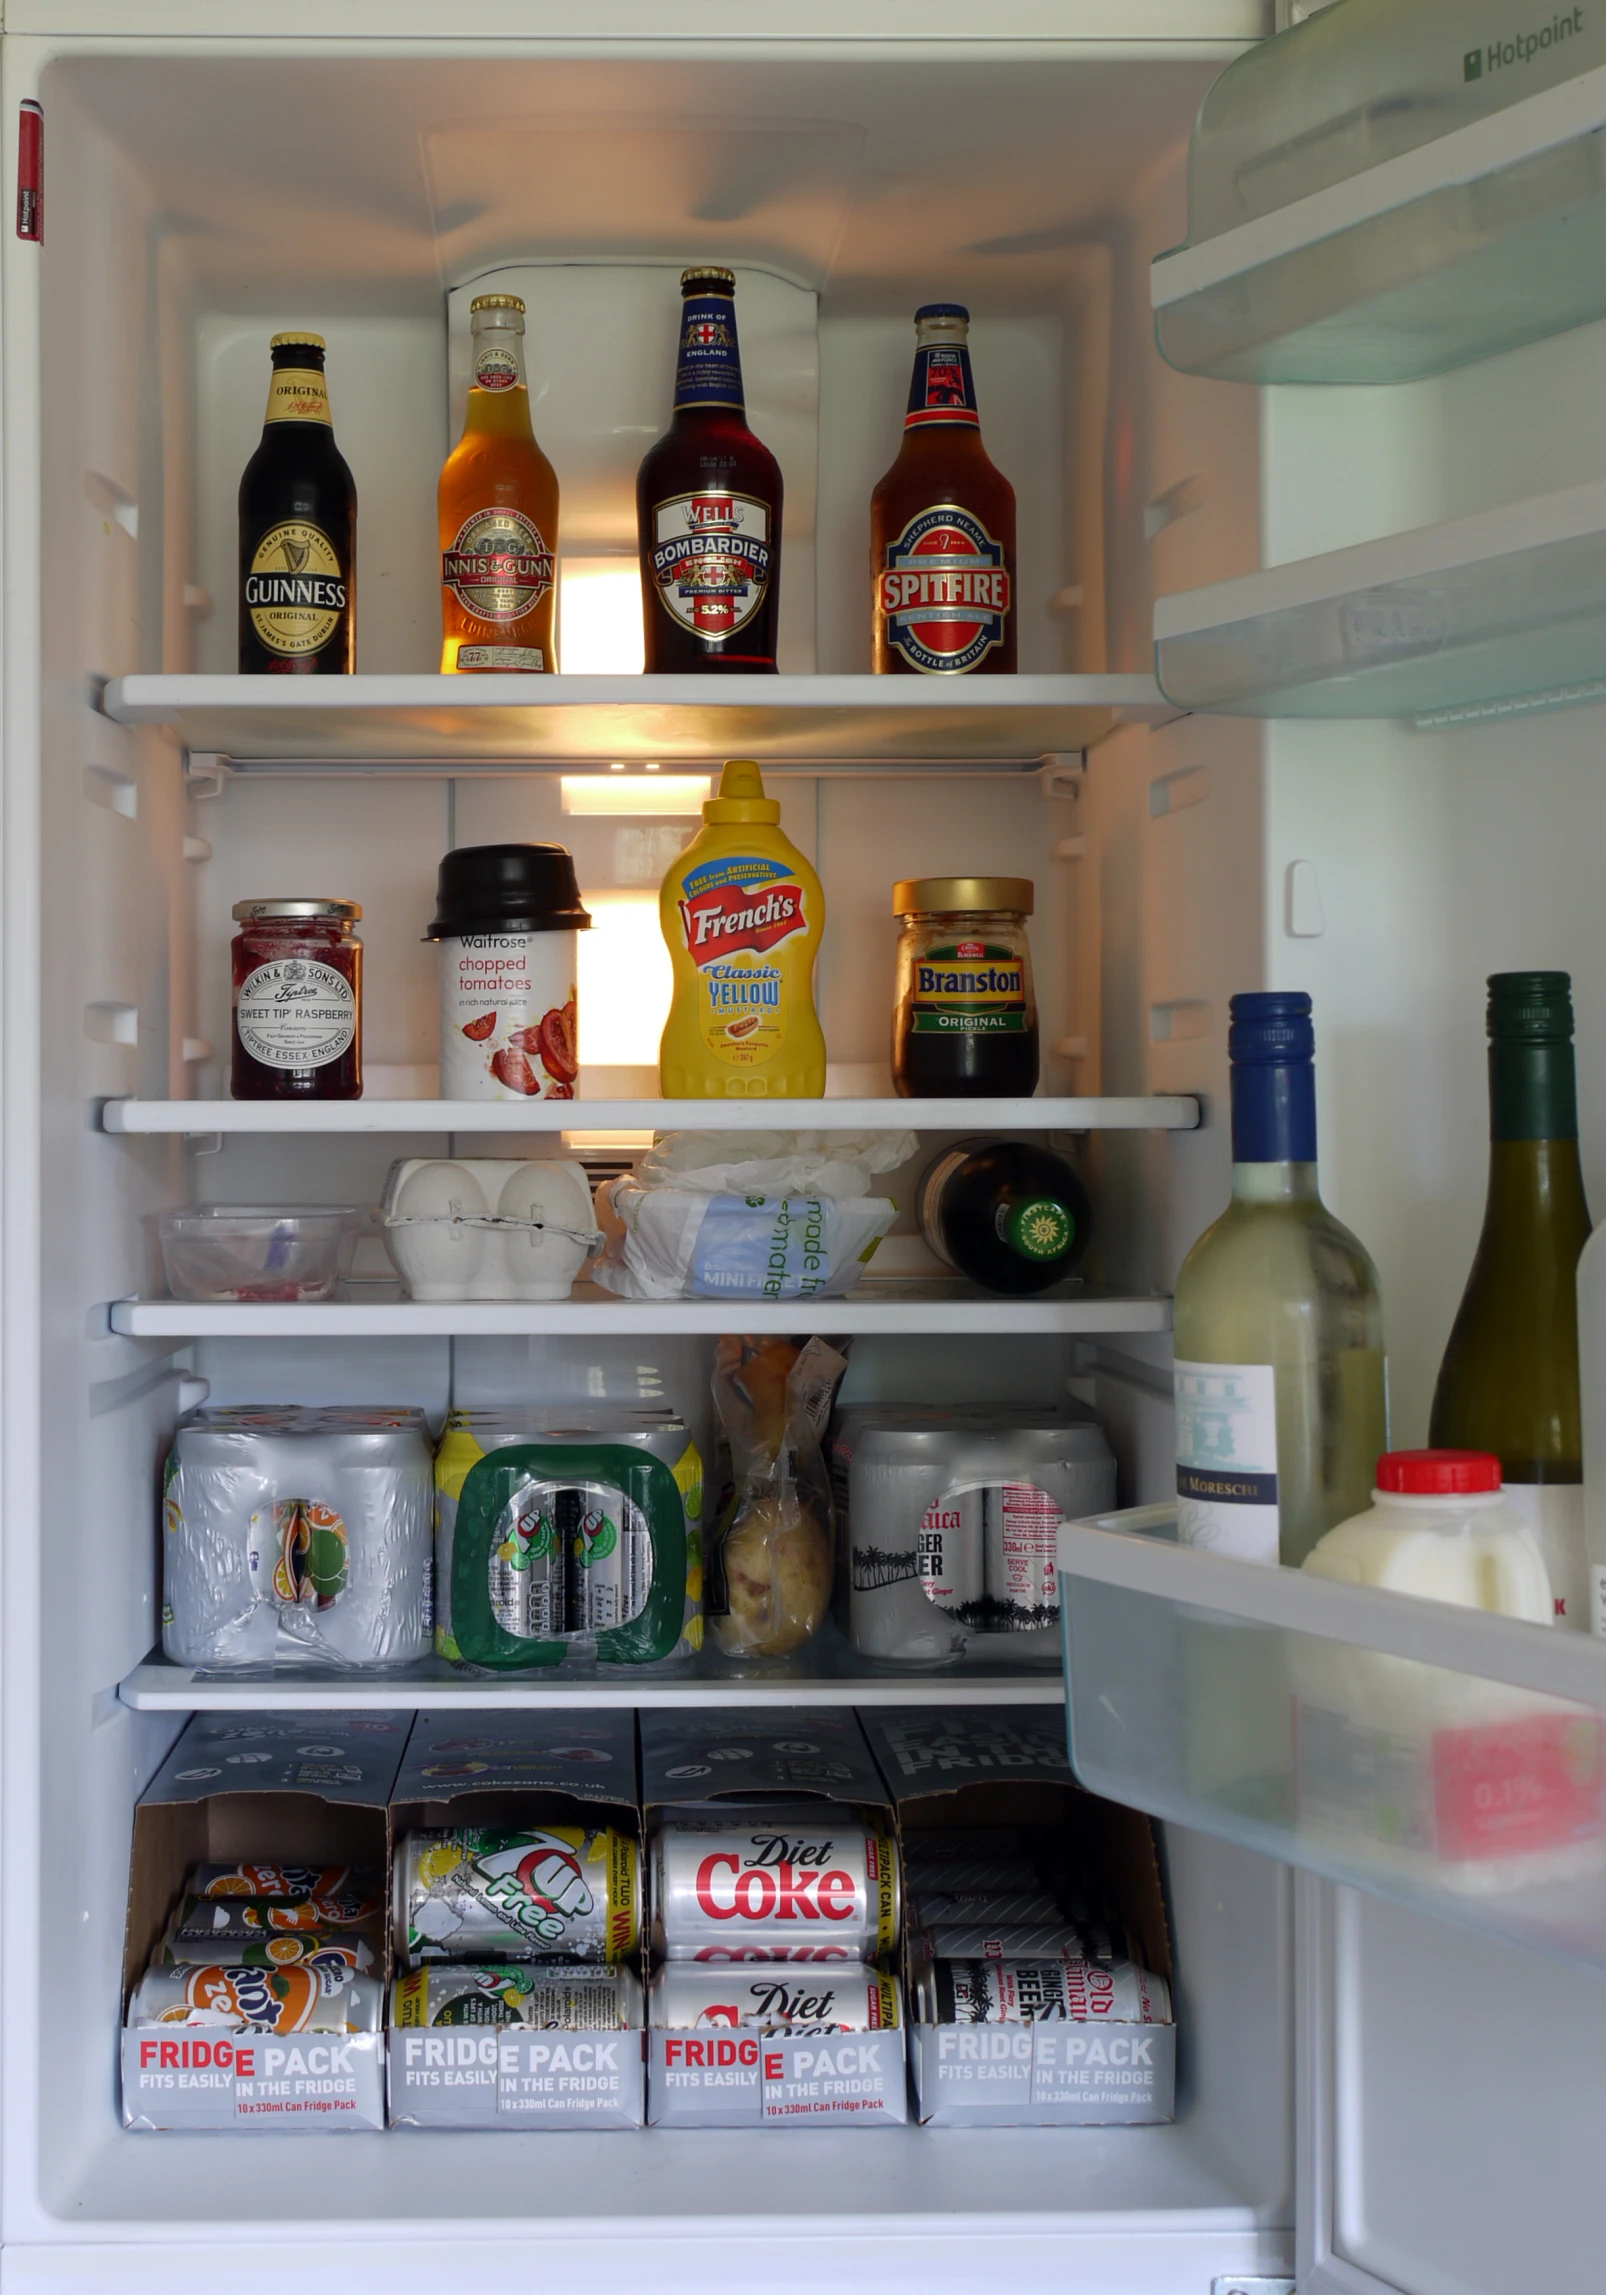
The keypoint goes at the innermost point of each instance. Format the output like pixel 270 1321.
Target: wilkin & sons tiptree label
pixel 944 591
pixel 711 559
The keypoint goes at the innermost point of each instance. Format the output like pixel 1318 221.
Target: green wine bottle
pixel 1282 1409
pixel 1509 1378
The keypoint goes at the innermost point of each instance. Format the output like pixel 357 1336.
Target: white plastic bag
pixel 773 1164
pixel 668 1243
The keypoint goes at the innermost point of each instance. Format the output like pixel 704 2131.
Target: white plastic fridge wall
pixel 195 195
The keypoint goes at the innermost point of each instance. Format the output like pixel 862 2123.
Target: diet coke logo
pixel 730 917
pixel 782 1880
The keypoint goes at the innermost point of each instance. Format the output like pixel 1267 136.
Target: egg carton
pixel 487 1227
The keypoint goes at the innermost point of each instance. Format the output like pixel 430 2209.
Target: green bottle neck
pixel 1533 1090
pixel 1275 1183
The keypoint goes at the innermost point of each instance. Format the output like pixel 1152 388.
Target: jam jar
pixel 297 1000
pixel 965 1024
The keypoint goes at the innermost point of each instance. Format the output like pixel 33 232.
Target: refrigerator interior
pixel 198 201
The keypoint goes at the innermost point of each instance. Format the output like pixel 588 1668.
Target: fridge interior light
pixel 678 795
pixel 599 618
pixel 625 980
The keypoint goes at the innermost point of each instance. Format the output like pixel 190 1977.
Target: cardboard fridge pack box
pixel 304 1789
pixel 1006 1768
pixel 748 1772
pixel 559 1769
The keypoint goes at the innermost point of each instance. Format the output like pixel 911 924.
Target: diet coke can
pixel 290 1999
pixel 289 1882
pixel 554 1998
pixel 534 1892
pixel 846 1999
pixel 775 1889
pixel 1064 1990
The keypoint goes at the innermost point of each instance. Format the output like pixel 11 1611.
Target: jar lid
pixel 917 896
pixel 341 911
pixel 507 888
pixel 1438 1473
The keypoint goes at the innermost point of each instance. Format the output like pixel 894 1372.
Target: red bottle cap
pixel 1438 1473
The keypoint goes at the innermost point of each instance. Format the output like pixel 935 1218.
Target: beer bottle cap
pixel 708 275
pixel 942 311
pixel 741 796
pixel 302 338
pixel 497 303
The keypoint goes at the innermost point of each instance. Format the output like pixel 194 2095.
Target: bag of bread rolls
pixel 770 1573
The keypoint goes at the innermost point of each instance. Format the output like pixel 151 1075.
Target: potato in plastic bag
pixel 771 1571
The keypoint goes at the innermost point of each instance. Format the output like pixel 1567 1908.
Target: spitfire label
pixel 941 389
pixel 711 561
pixel 295 591
pixel 500 566
pixel 944 592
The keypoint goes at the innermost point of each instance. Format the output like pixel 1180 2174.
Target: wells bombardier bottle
pixel 708 505
pixel 298 529
pixel 942 524
pixel 498 505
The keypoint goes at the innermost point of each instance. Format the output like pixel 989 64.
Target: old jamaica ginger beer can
pixel 553 1999
pixel 531 1892
pixel 768 1889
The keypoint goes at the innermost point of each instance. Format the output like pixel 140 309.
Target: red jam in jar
pixel 297 1000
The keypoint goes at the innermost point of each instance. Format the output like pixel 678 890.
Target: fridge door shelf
pixel 917 1304
pixel 1489 236
pixel 1448 1759
pixel 590 724
pixel 1484 616
pixel 1171 1112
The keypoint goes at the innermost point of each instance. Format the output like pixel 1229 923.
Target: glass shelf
pixel 1489 235
pixel 1448 1759
pixel 530 725
pixel 1498 612
pixel 1166 1113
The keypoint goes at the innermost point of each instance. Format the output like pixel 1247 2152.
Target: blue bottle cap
pixel 1270 1028
pixel 942 311
pixel 1272 1047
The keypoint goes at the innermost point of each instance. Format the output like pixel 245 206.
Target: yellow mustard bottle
pixel 742 912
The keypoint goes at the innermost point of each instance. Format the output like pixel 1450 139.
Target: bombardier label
pixel 710 370
pixel 500 567
pixel 295 592
pixel 712 560
pixel 944 592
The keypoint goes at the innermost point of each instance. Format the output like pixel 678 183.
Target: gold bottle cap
pixel 302 338
pixel 709 275
pixel 926 896
pixel 497 303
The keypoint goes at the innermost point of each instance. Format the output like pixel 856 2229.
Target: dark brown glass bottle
pixel 942 525
pixel 708 506
pixel 298 530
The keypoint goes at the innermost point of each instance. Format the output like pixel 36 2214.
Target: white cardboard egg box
pixel 487 1227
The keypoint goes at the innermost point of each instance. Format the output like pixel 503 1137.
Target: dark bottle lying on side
pixel 1013 1217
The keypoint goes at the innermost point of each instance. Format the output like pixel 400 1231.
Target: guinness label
pixel 499 568
pixel 296 591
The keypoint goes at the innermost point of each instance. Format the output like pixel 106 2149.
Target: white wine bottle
pixel 1281 1391
pixel 1509 1379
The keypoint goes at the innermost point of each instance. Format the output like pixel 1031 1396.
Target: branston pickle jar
pixel 297 1000
pixel 965 1024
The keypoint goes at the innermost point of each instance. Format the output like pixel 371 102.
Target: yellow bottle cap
pixel 741 795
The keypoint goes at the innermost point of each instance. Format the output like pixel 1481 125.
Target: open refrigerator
pixel 1345 780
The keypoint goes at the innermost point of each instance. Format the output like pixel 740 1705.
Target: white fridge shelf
pixel 1483 616
pixel 1168 1113
pixel 525 725
pixel 1449 1759
pixel 1487 237
pixel 377 1311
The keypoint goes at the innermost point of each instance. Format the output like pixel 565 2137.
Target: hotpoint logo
pixel 1522 48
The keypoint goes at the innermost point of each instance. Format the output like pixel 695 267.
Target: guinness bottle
pixel 298 529
pixel 708 505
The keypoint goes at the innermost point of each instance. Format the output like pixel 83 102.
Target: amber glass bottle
pixel 498 505
pixel 708 505
pixel 942 524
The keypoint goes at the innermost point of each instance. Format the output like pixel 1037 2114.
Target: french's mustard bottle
pixel 742 912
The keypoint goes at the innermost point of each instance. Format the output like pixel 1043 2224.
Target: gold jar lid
pixel 496 303
pixel 302 338
pixel 924 896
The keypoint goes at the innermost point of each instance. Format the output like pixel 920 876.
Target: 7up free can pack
pixel 530 1892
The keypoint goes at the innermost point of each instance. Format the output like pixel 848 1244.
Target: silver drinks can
pixel 288 1881
pixel 298 1536
pixel 293 1999
pixel 950 1522
pixel 1013 1940
pixel 1062 1990
pixel 933 1908
pixel 533 1892
pixel 774 1888
pixel 553 1997
pixel 337 1954
pixel 850 1998
pixel 238 1919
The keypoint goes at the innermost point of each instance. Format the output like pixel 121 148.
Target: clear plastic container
pixel 254 1252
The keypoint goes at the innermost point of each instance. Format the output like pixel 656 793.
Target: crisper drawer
pixel 1450 1759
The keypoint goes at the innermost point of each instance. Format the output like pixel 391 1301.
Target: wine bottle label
pixel 296 590
pixel 944 593
pixel 735 913
pixel 712 560
pixel 1554 1511
pixel 710 370
pixel 297 394
pixel 499 568
pixel 968 988
pixel 941 389
pixel 1227 1459
pixel 294 1013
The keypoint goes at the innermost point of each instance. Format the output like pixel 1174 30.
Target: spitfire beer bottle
pixel 498 503
pixel 298 529
pixel 942 524
pixel 708 505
